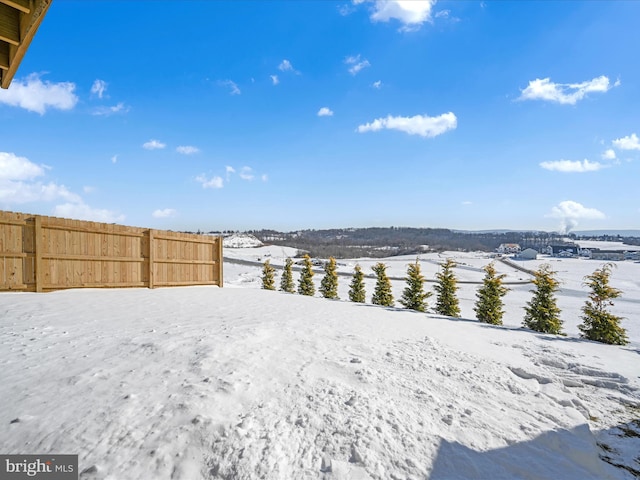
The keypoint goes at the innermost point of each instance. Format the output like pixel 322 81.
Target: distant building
pixel 528 254
pixel 563 251
pixel 632 255
pixel 509 248
pixel 585 252
pixel 615 255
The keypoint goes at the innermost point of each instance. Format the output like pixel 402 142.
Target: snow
pixel 242 383
pixel 240 240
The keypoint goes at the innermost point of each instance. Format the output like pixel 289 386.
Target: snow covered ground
pixel 241 383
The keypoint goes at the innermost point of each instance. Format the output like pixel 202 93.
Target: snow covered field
pixel 241 383
pixel 571 272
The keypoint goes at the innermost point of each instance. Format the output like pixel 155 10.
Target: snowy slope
pixel 241 240
pixel 234 383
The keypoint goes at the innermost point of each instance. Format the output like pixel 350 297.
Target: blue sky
pixel 315 114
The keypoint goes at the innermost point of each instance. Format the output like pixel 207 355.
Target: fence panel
pixel 40 253
pixel 13 256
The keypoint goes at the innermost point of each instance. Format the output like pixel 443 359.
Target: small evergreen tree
pixel 382 294
pixel 414 296
pixel 329 283
pixel 446 287
pixel 489 306
pixel 597 323
pixel 542 313
pixel 356 290
pixel 286 282
pixel 305 284
pixel 268 276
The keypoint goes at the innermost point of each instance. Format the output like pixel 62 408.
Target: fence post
pixel 151 257
pixel 37 236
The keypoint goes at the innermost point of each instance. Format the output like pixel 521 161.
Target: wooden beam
pixel 4 55
pixel 28 25
pixel 70 228
pixel 186 262
pixel 191 239
pixel 89 258
pixel 22 5
pixel 12 255
pixel 9 24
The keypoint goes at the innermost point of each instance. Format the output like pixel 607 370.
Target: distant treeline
pixel 380 242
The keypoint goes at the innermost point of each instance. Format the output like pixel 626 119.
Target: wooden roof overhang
pixel 19 20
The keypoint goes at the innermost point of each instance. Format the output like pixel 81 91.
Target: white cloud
pixel 274 79
pixel 26 192
pixel 287 66
pixel 105 110
pixel 563 93
pixel 346 9
pixel 264 177
pixel 114 159
pixel 82 211
pixel 18 182
pixel 569 212
pixel 233 87
pixel 609 155
pixel 164 213
pixel 573 166
pixel 153 145
pixel 88 189
pixel 630 142
pixel 37 96
pixel 422 125
pixel 187 149
pixel 325 112
pixel 411 13
pixel 99 87
pixel 356 64
pixel 13 167
pixel 229 170
pixel 377 85
pixel 213 182
pixel 246 173
pixel 467 202
pixel 445 15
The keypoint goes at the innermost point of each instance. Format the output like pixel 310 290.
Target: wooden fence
pixel 40 254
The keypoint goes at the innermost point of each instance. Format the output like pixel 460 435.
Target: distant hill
pixel 601 233
pixel 386 241
pixel 498 231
